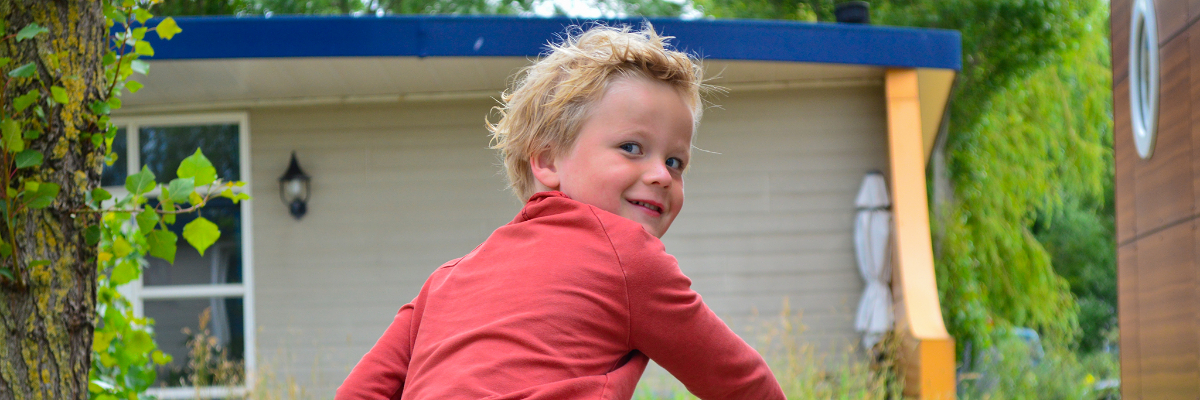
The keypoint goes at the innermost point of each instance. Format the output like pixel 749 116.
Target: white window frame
pixel 137 293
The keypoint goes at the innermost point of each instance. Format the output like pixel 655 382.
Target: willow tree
pixel 51 53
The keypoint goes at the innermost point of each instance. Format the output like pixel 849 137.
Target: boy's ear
pixel 545 173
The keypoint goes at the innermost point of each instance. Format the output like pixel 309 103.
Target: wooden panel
pixel 1172 18
pixel 1193 34
pixel 1126 161
pixel 1166 312
pixel 1119 22
pixel 1164 182
pixel 1127 306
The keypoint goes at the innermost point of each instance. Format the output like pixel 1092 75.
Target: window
pixel 217 284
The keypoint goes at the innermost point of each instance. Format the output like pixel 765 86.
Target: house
pixel 387 117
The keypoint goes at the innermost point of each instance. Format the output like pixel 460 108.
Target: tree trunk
pixel 47 311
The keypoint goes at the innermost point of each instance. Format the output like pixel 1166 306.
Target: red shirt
pixel 565 302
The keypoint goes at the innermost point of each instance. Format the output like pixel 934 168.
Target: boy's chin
pixel 655 231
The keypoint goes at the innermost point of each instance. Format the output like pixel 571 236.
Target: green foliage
pixel 1079 238
pixel 1045 137
pixel 1011 371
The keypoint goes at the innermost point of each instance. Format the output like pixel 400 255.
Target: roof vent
pixel 853 12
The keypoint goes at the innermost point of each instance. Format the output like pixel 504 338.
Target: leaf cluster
pixel 125 356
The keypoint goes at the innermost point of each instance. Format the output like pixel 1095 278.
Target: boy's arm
pixel 381 372
pixel 671 324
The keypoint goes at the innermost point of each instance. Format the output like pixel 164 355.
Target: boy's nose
pixel 657 175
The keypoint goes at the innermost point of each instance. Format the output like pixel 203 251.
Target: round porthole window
pixel 1143 77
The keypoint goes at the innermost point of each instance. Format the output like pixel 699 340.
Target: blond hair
pixel 551 98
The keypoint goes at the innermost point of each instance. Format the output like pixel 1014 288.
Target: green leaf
pixel 160 358
pixel 133 86
pixel 31 134
pixel 139 342
pixel 144 48
pixel 121 247
pixel 162 244
pixel 109 58
pixel 168 206
pixel 114 103
pixel 180 188
pixel 29 158
pixel 4 61
pixel 10 136
pixel 124 272
pixel 100 342
pixel 195 198
pixel 240 197
pixel 201 233
pixel 101 108
pixel 30 31
pixel 96 385
pixel 140 182
pixel 44 196
pixel 140 66
pixel 6 273
pixel 114 14
pixel 146 220
pixel 59 94
pixel 167 28
pixel 92 235
pixel 25 100
pixel 39 263
pixel 24 71
pixel 40 202
pixel 141 15
pixel 5 249
pixel 99 195
pixel 197 166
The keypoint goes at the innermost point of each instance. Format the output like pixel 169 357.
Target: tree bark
pixel 47 311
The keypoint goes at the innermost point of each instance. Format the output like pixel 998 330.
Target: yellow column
pixel 927 350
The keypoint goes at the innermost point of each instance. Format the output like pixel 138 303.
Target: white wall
pixel 398 189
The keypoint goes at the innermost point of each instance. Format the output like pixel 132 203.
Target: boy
pixel 571 299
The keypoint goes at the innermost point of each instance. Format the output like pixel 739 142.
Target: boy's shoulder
pixel 557 208
pixel 629 240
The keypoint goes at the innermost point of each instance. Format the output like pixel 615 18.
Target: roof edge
pixel 512 36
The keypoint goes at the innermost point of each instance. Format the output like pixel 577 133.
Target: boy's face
pixel 629 156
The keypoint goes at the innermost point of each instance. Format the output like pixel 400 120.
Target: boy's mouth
pixel 652 206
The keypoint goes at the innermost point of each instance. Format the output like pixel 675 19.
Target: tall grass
pixel 805 372
pixel 1008 371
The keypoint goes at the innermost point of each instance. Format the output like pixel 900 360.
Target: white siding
pixel 399 189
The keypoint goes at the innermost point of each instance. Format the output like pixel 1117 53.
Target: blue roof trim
pixel 474 36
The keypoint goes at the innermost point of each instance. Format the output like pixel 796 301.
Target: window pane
pixel 114 175
pixel 209 332
pixel 221 263
pixel 164 147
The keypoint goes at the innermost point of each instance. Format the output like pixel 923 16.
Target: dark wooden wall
pixel 1157 204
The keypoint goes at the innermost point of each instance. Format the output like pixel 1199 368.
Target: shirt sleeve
pixel 670 323
pixel 381 372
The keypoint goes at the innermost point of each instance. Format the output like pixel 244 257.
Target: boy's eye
pixel 631 147
pixel 674 163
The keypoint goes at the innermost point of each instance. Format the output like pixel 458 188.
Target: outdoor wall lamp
pixel 294 188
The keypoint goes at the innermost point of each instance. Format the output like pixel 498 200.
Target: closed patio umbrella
pixel 872 234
